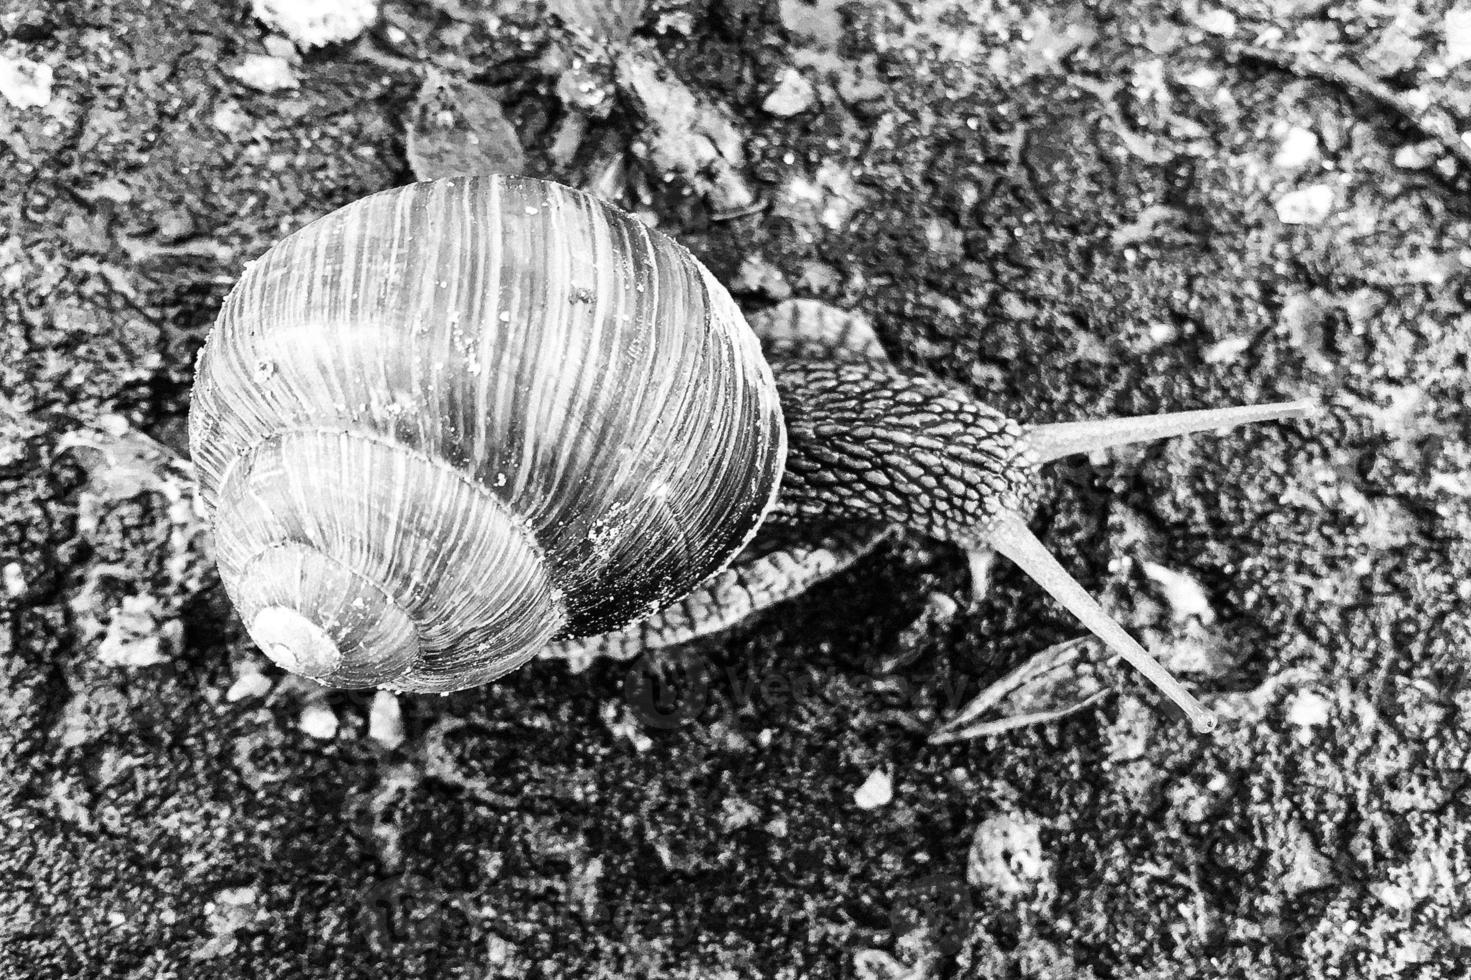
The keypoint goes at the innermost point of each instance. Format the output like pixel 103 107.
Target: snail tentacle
pixel 1009 535
pixel 1061 439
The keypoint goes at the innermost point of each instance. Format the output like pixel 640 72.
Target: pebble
pixel 1221 22
pixel 318 722
pixel 237 896
pixel 1308 206
pixel 280 47
pixel 793 94
pixel 141 634
pixel 1396 897
pixel 175 226
pixel 1307 709
pixel 312 23
pixel 386 721
pixel 265 72
pixel 1299 146
pixel 251 685
pixel 14 578
pixel 1307 869
pixel 1226 351
pixel 735 814
pixel 1186 596
pixel 876 791
pixel 25 84
pixel 1006 855
pixel 1458 35
pixel 229 118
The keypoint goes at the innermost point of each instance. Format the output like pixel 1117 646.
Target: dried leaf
pixel 458 129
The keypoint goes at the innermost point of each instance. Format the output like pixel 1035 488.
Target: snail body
pixel 455 422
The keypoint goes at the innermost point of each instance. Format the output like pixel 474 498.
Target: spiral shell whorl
pixel 452 590
pixel 454 420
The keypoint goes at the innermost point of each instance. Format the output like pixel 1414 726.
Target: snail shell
pixel 453 421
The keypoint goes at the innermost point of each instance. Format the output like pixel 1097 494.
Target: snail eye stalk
pixel 1008 534
pixel 1067 438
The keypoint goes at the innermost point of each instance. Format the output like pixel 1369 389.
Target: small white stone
pixel 244 895
pixel 1203 78
pixel 1458 34
pixel 1225 351
pixel 1450 483
pixel 25 84
pixel 386 721
pixel 1396 897
pixel 229 118
pixel 1415 156
pixel 793 94
pixel 251 685
pixel 1184 594
pixel 1299 146
pixel 1307 709
pixel 1308 206
pixel 311 23
pixel 1006 855
pixel 735 814
pixel 1307 869
pixel 876 791
pixel 141 634
pixel 318 722
pixel 265 72
pixel 281 47
pixel 1221 22
pixel 14 578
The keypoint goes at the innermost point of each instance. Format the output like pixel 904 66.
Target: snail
pixel 455 422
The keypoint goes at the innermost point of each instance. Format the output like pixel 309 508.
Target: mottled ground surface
pixel 1076 210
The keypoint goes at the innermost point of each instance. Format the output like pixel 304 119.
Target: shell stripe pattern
pixel 497 404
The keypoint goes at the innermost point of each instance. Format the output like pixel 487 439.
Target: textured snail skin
pixel 869 443
pixel 756 580
pixel 453 421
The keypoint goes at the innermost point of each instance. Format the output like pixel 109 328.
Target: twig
pixel 1433 123
pixel 1053 684
pixel 755 207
